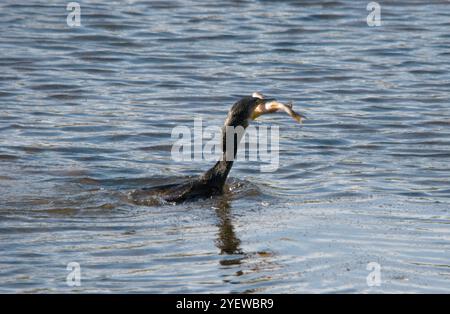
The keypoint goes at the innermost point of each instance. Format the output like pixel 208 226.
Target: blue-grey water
pixel 86 115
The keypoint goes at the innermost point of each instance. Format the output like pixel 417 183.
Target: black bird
pixel 212 181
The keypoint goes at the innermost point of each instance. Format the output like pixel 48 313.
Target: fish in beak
pixel 267 105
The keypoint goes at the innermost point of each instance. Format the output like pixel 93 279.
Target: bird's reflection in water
pixel 236 262
pixel 227 241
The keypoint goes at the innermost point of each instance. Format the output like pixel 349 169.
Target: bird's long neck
pixel 231 137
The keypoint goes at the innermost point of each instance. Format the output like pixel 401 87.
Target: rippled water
pixel 86 116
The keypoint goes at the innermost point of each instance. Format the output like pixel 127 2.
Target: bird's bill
pixel 271 105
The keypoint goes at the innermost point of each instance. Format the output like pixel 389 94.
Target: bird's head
pixel 251 107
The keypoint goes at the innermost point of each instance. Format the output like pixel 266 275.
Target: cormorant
pixel 212 181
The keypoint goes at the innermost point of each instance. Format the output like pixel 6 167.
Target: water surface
pixel 86 116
